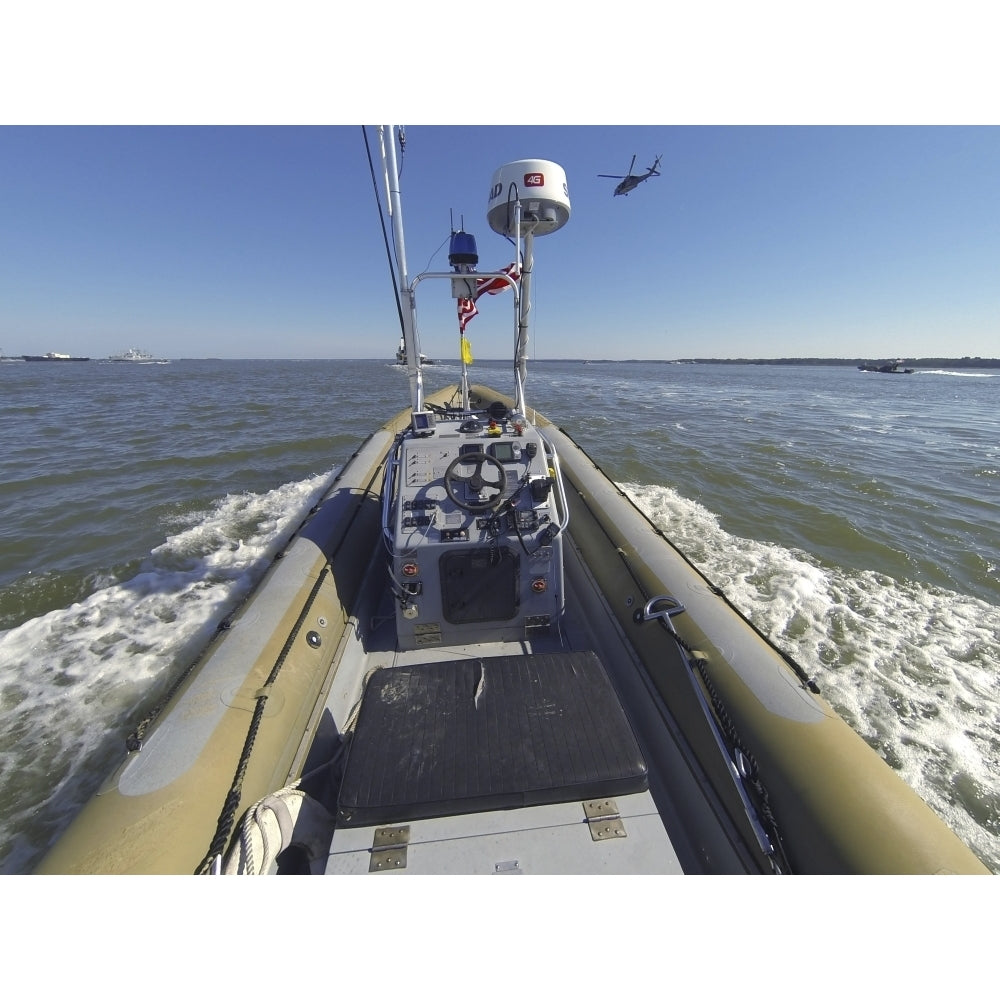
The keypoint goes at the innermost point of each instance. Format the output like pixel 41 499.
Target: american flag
pixel 466 310
pixel 484 286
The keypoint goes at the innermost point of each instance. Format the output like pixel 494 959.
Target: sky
pixel 195 223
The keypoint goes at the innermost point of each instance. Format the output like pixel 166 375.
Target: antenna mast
pixel 411 341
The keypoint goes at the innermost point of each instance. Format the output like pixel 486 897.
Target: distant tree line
pixel 840 362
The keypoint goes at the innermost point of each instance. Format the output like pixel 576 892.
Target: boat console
pixel 473 506
pixel 473 514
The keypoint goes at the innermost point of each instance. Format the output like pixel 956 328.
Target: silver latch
pixel 389 849
pixel 604 820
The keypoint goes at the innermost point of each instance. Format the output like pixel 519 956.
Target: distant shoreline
pixel 909 362
pixel 805 362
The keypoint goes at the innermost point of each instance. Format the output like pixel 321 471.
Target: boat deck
pixel 490 758
pixel 445 752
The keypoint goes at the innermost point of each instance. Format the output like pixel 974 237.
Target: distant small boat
pixel 134 355
pixel 51 356
pixel 401 355
pixel 886 367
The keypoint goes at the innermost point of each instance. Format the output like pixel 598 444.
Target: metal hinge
pixel 389 849
pixel 604 820
pixel 427 634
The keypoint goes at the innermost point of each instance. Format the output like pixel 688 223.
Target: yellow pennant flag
pixel 466 352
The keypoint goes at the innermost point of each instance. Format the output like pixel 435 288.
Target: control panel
pixel 477 548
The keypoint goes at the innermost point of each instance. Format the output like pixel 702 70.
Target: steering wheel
pixel 475 481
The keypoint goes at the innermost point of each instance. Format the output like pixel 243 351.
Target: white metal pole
pixel 523 320
pixel 410 339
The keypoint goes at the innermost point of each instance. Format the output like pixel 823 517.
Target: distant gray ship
pixel 134 355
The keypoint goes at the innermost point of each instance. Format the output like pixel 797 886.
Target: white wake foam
pixel 73 678
pixel 911 667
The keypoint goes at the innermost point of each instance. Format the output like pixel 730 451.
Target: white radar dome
pixel 542 189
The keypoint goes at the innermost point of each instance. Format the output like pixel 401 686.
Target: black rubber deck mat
pixel 440 739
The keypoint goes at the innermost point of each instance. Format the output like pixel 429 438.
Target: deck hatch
pixel 458 736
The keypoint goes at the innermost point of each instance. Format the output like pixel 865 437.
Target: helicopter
pixel 630 181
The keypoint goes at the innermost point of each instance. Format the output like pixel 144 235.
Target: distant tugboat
pixel 51 356
pixel 886 368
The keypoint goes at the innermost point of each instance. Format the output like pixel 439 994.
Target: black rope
pixel 135 739
pixel 763 802
pixel 228 816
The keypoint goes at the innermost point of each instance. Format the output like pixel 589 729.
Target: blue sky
pixel 264 242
